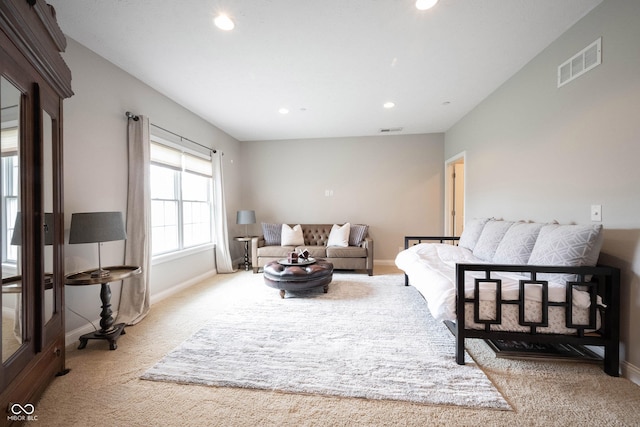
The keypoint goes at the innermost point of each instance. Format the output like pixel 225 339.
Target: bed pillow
pixel 471 233
pixel 339 235
pixel 357 234
pixel 517 244
pixel 490 238
pixel 567 245
pixel 292 236
pixel 272 233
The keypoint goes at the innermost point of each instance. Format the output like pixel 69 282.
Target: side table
pixel 246 240
pixel 108 331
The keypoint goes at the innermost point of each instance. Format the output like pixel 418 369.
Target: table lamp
pixel 246 218
pixel 16 238
pixel 97 227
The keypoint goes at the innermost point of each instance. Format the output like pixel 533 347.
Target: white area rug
pixel 368 337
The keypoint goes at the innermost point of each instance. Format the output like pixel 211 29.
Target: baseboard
pixel 181 286
pixel 384 262
pixel 630 372
pixel 72 337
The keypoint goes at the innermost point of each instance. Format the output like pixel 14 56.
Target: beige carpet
pixel 104 387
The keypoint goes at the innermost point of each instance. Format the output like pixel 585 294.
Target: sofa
pixel 519 281
pixel 346 246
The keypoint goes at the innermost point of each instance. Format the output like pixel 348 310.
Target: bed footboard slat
pixel 605 282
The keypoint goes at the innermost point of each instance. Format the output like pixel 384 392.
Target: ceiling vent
pixel 390 130
pixel 585 60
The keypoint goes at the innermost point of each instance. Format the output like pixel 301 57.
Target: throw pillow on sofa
pixel 272 233
pixel 357 234
pixel 339 235
pixel 291 236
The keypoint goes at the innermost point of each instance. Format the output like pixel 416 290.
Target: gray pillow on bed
pixel 517 244
pixel 471 233
pixel 490 238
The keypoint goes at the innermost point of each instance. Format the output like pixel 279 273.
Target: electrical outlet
pixel 596 213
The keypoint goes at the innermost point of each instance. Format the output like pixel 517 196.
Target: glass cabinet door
pixel 11 297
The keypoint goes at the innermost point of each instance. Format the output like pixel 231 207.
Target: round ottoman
pixel 298 277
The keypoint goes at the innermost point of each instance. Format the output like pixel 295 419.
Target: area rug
pixel 368 337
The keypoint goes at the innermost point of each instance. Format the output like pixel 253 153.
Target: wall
pixel 392 183
pixel 541 153
pixel 95 162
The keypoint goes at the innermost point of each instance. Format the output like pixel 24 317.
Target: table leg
pixel 246 255
pixel 106 318
pixel 108 331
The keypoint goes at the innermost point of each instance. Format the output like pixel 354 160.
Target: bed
pixel 576 305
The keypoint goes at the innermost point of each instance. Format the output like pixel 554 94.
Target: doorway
pixel 454 188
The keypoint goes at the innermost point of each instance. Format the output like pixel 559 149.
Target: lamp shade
pixel 92 227
pixel 246 217
pixel 16 238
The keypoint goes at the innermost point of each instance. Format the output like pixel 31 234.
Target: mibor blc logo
pixel 18 412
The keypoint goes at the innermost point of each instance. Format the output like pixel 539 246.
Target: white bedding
pixel 431 268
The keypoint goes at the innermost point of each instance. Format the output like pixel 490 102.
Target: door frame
pixel 449 201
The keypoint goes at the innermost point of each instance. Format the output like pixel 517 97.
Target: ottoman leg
pixel 281 293
pixel 325 288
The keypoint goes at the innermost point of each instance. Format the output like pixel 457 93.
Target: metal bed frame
pixel 602 281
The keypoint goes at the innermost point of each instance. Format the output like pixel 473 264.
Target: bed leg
pixel 612 360
pixel 453 327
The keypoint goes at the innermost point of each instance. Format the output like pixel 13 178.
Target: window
pixel 9 191
pixel 181 192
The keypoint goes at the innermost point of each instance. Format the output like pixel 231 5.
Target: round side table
pixel 108 331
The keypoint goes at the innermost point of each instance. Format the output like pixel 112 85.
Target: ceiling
pixel 331 63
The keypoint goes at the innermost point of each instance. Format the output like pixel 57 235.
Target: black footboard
pixel 597 281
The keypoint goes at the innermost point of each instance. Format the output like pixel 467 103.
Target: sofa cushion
pixel 490 238
pixel 357 234
pixel 272 233
pixel 346 252
pixel 339 235
pixel 471 233
pixel 314 251
pixel 275 251
pixel 291 236
pixel 517 243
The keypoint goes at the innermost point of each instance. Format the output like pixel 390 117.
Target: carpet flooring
pixel 368 337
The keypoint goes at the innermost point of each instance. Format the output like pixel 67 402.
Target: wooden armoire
pixel 34 80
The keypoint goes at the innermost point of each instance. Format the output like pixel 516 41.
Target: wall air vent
pixel 390 130
pixel 585 60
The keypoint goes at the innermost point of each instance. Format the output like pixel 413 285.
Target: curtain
pixel 134 296
pixel 224 263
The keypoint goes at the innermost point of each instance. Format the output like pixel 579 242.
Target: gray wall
pixel 95 169
pixel 536 152
pixel 392 183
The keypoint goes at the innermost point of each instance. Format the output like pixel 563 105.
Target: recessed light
pixel 283 110
pixel 223 22
pixel 425 4
pixel 389 105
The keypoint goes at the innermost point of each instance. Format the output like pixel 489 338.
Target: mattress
pixel 431 268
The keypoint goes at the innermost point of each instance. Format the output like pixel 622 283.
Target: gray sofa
pixel 356 256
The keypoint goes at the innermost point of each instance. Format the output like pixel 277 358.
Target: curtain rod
pixel 136 118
